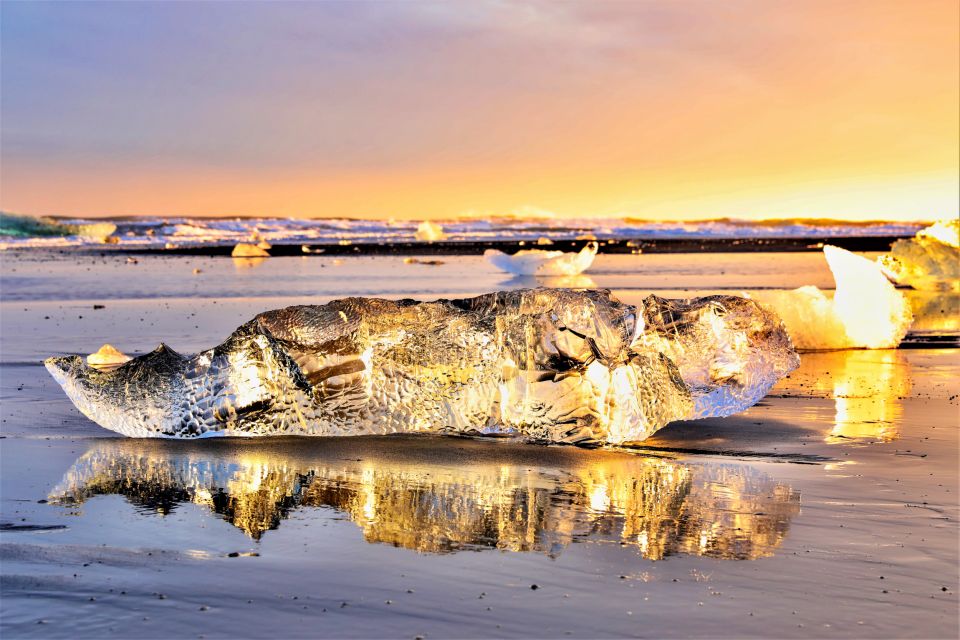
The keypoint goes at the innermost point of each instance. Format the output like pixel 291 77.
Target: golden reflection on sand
pixel 934 312
pixel 867 388
pixel 867 393
pixel 657 506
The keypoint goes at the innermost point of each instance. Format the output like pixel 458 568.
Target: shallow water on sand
pixel 829 509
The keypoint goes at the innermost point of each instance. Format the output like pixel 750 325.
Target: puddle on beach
pixel 397 493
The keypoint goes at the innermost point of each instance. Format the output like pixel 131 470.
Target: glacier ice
pixel 929 261
pixel 537 262
pixel 866 311
pixel 552 365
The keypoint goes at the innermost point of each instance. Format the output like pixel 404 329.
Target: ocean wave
pixel 155 232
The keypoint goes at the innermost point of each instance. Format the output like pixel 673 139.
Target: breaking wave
pixel 155 232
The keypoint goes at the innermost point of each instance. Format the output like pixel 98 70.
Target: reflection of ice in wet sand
pixel 657 506
pixel 867 393
pixel 867 388
pixel 247 263
pixel 935 313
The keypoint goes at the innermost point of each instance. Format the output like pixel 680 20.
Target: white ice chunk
pixel 865 312
pixel 246 250
pixel 537 262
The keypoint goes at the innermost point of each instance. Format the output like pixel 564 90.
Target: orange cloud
pixel 686 110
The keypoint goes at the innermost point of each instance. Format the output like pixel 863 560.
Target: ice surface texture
pixel 551 365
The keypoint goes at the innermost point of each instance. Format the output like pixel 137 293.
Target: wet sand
pixel 828 510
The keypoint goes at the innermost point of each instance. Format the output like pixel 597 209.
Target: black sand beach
pixel 839 487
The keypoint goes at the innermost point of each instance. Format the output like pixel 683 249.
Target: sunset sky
pixel 664 110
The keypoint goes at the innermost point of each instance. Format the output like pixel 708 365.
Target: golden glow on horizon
pixel 845 111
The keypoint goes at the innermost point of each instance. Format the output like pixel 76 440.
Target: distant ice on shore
pixel 537 262
pixel 155 232
pixel 930 261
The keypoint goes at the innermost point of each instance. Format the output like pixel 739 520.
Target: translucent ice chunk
pixel 929 261
pixel 729 351
pixel 866 311
pixel 542 364
pixel 537 262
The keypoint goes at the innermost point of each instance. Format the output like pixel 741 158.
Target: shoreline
pixel 477 247
pixel 839 485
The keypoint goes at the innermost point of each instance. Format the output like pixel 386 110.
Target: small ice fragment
pixel 107 357
pixel 537 262
pixel 928 261
pixel 246 250
pixel 259 241
pixel 429 232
